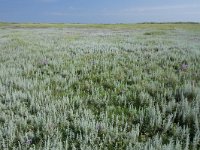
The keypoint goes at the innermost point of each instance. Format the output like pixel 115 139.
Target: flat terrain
pixel 75 86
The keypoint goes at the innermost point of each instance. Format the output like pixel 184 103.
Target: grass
pixel 161 26
pixel 73 86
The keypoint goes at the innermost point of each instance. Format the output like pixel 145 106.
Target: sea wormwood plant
pixel 86 88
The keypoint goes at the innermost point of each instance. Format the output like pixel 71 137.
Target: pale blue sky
pixel 99 11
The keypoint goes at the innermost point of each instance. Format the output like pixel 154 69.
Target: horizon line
pixel 145 22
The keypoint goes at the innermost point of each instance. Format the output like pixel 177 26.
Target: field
pixel 91 87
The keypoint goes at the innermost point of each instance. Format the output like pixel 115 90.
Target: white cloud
pixel 161 8
pixel 58 14
pixel 135 14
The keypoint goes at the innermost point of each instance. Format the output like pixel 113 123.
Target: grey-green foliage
pixel 99 89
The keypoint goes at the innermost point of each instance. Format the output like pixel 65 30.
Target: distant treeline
pixel 169 23
pixel 108 23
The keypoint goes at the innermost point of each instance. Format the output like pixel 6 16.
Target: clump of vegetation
pixel 91 89
pixel 154 33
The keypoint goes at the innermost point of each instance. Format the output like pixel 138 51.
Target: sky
pixel 99 11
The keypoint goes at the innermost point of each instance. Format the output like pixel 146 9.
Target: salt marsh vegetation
pixel 100 88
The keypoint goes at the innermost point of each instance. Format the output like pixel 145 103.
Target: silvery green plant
pixel 84 88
